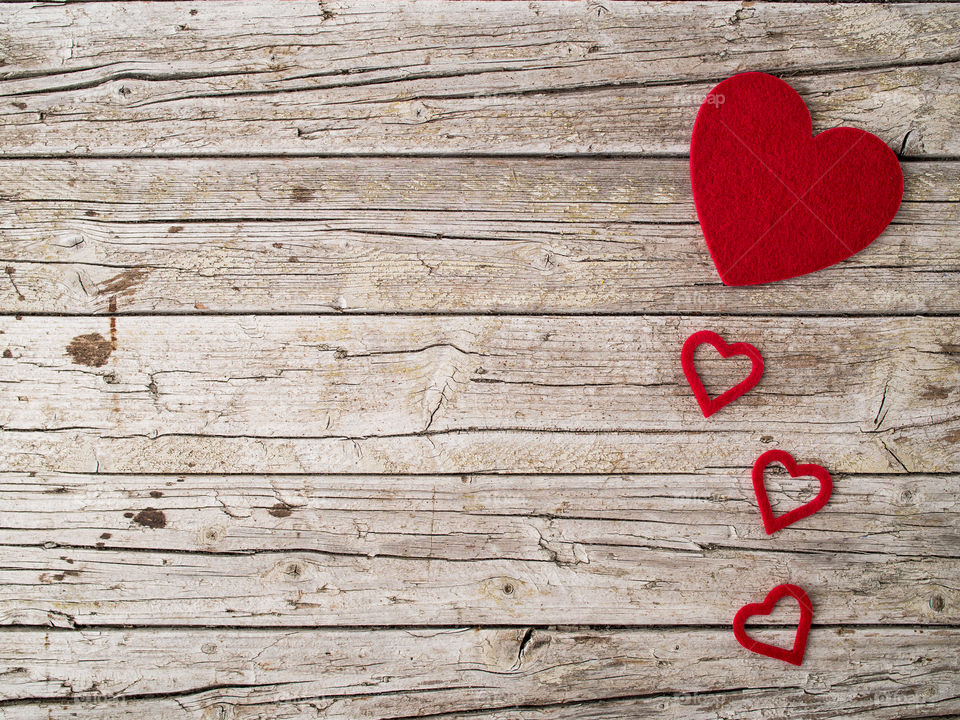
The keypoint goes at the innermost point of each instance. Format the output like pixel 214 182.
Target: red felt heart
pixel 775 202
pixel 707 405
pixel 770 523
pixel 794 655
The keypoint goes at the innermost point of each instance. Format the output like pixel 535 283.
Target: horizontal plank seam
pixel 547 627
pixel 412 155
pixel 703 549
pixel 471 430
pixel 476 314
pixel 681 694
pixel 23 475
pixel 482 710
pixel 59 699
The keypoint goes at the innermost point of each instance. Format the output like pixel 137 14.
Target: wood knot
pixel 294 569
pixel 212 534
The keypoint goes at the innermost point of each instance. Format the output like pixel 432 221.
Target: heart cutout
pixel 775 202
pixel 793 656
pixel 707 404
pixel 773 523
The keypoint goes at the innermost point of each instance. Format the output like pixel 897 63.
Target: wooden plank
pixel 424 235
pixel 582 673
pixel 368 550
pixel 398 394
pixel 351 77
pixel 606 585
pixel 559 518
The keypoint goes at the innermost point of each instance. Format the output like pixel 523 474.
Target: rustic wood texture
pixel 375 235
pixel 358 77
pixel 479 394
pixel 339 367
pixel 567 673
pixel 305 550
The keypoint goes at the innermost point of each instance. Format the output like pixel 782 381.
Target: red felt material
pixel 707 405
pixel 795 654
pixel 773 523
pixel 775 202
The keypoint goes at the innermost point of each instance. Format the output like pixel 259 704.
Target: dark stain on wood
pixel 105 536
pixel 122 283
pixel 301 194
pixel 932 392
pixel 91 213
pixel 156 494
pixel 174 228
pixel 281 510
pixel 91 349
pixel 151 518
pixel 58 577
pixel 7 353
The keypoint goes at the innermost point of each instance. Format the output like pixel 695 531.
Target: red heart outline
pixel 773 523
pixel 793 656
pixel 707 405
pixel 774 200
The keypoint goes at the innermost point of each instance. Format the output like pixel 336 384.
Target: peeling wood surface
pixel 339 367
pixel 391 235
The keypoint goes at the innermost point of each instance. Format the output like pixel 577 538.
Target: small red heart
pixel 770 523
pixel 775 202
pixel 793 656
pixel 707 405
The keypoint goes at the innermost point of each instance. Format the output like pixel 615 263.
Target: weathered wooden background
pixel 340 375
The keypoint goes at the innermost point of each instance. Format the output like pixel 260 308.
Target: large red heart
pixel 773 523
pixel 775 202
pixel 795 654
pixel 708 405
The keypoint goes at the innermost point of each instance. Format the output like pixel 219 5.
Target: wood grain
pixel 424 235
pixel 302 78
pixel 365 400
pixel 401 394
pixel 367 550
pixel 583 673
pixel 466 517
